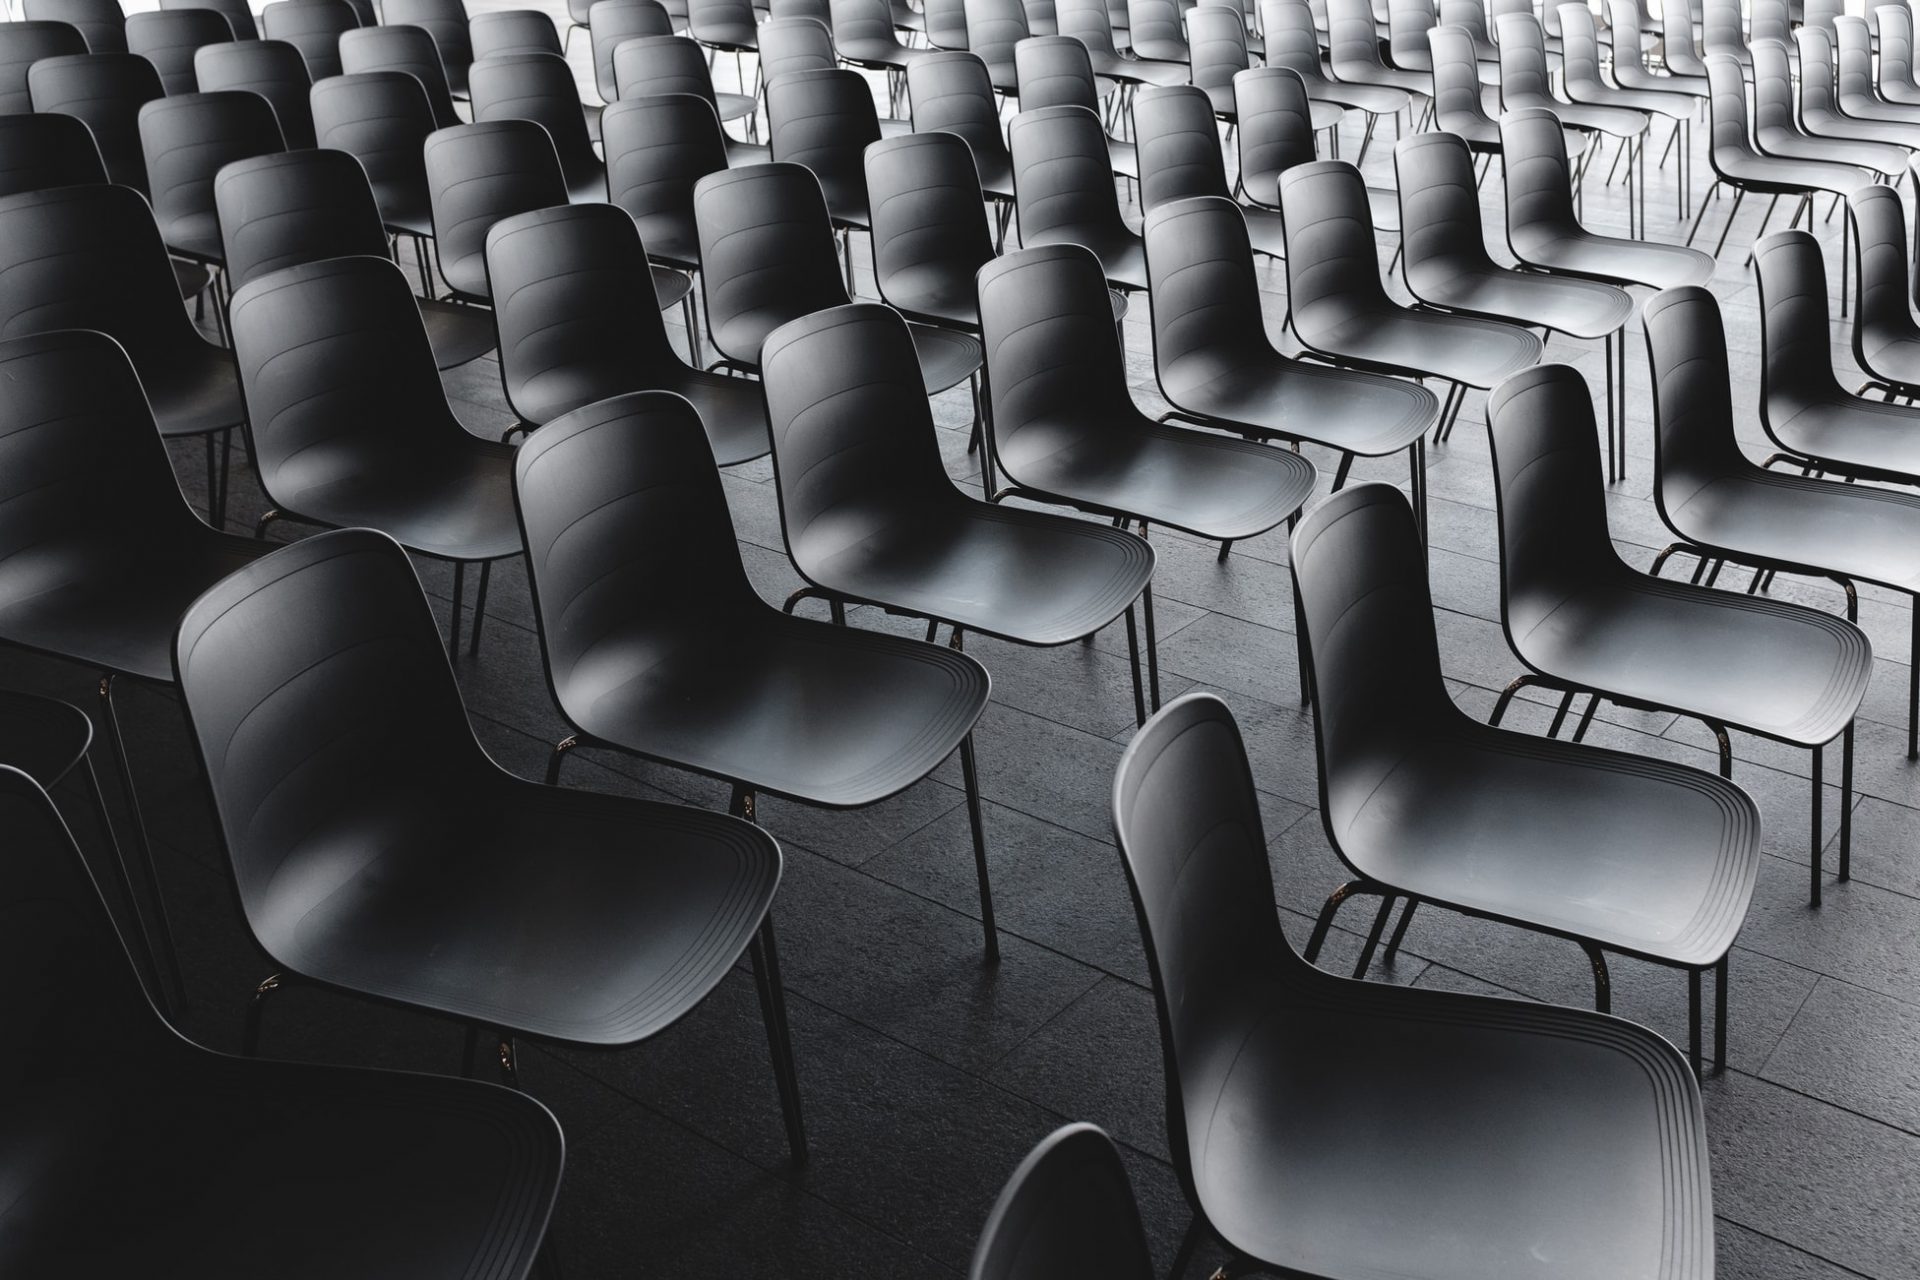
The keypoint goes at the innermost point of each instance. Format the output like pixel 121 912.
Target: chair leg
pixel 558 757
pixel 970 772
pixel 1188 1243
pixel 1693 1021
pixel 250 1033
pixel 1225 547
pixel 1705 200
pixel 1602 983
pixel 1400 930
pixel 773 1011
pixel 1913 688
pixel 1506 697
pixel 1153 643
pixel 1586 719
pixel 479 607
pixel 1818 785
pixel 1846 803
pixel 1327 912
pixel 161 997
pixel 1720 1015
pixel 1560 713
pixel 1380 918
pixel 459 594
pixel 1133 656
pixel 163 929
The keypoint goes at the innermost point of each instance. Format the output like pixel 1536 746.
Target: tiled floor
pixel 926 1075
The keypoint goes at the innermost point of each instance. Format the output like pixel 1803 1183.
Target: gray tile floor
pixel 926 1075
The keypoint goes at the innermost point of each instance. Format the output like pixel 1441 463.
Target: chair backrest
pixel 42 151
pixel 1896 44
pixel 1524 78
pixel 105 91
pixel 539 87
pixel 446 22
pixel 1768 20
pixel 238 13
pixel 1286 27
pixel 1627 18
pixel 1795 330
pixel 1471 17
pixel 312 678
pixel 21 45
pixel 1881 255
pixel 1353 38
pixel 766 253
pixel 658 147
pixel 1727 107
pixel 291 207
pixel 1087 21
pixel 1818 90
pixel 273 69
pixel 1441 232
pixel 1062 174
pixel 406 49
pixel 1772 94
pixel 573 301
pixel 1206 297
pixel 928 213
pixel 1067 1210
pixel 661 64
pixel 1333 265
pixel 101 23
pixel 381 119
pixel 612 21
pixel 168 38
pixel 1539 186
pixel 1853 53
pixel 1276 129
pixel 946 23
pixel 1054 71
pixel 721 22
pixel 1693 431
pixel 1408 22
pixel 1216 44
pixel 824 120
pixel 1178 143
pixel 952 92
pixel 1722 29
pixel 1457 104
pixel 314 28
pixel 1156 23
pixel 478 174
pixel 1042 19
pixel 1580 52
pixel 187 138
pixel 861 21
pixel 994 27
pixel 1821 14
pixel 504 31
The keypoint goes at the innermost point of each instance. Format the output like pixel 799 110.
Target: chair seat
pixel 1409 82
pixel 1613 259
pixel 42 737
pixel 1374 99
pixel 1463 349
pixel 459 334
pixel 1791 144
pixel 1791 177
pixel 1580 308
pixel 946 358
pixel 195 236
pixel 876 53
pixel 1859 436
pixel 198 391
pixel 1905 93
pixel 1646 102
pixel 1120 252
pixel 405 209
pixel 1138 71
pixel 730 37
pixel 1868 534
pixel 1615 122
pixel 587 183
pixel 1644 857
pixel 244 1165
pixel 835 716
pixel 454 500
pixel 1796 675
pixel 670 286
pixel 735 106
pixel 732 410
pixel 189 277
pixel 1213 486
pixel 1165 51
pixel 1359 413
pixel 1825 124
pixel 1372 1131
pixel 1891 356
pixel 1030 577
pixel 1644 81
pixel 741 154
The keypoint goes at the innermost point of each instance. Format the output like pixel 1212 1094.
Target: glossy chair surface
pixel 478 174
pixel 825 120
pixel 540 87
pixel 446 22
pixel 101 23
pixel 407 49
pixel 40 151
pixel 657 147
pixel 168 38
pixel 271 68
pixel 105 91
pixel 1064 191
pixel 382 119
pixel 238 13
pixel 24 43
pixel 314 28
pixel 1068 1209
pixel 187 138
pixel 952 92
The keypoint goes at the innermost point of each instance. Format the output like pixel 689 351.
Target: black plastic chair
pixel 674 64
pixel 351 427
pixel 105 91
pixel 1459 105
pixel 501 32
pixel 1895 79
pixel 1558 1134
pixel 271 68
pixel 1341 311
pixel 657 147
pixel 101 23
pixel 1180 154
pixel 684 663
pixel 1064 193
pixel 724 26
pixel 1353 50
pixel 1680 50
pixel 611 21
pixel 1629 61
pixel 314 28
pixel 446 22
pixel 930 238
pixel 1777 131
pixel 478 174
pixel 406 49
pixel 516 908
pixel 42 151
pixel 564 284
pixel 790 45
pixel 382 119
pixel 994 27
pixel 952 92
pixel 1155 32
pixel 1068 1210
pixel 1585 86
pixel 1723 31
pixel 1091 23
pixel 112 1182
pixel 767 257
pixel 1057 71
pixel 91 258
pixel 1278 119
pixel 854 441
pixel 864 35
pixel 1582 620
pixel 1408 22
pixel 1217 41
pixel 540 87
pixel 1292 43
pixel 1886 340
pixel 24 43
pixel 825 120
pixel 306 206
pixel 946 23
pixel 238 13
pixel 1217 368
pixel 1723 507
pixel 169 38
pixel 1449 268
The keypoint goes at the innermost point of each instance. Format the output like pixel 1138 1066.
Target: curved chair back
pixel 1408 22
pixel 313 27
pixel 168 39
pixel 187 139
pixel 291 207
pixel 1333 265
pixel 994 27
pixel 929 226
pixel 478 174
pixel 1821 15
pixel 657 147
pixel 498 32
pixel 271 68
pixel 539 87
pixel 1580 53
pixel 1895 22
pixel 238 13
pixel 1156 25
pixel 1884 303
pixel 1795 330
pixel 1054 71
pixel 1768 20
pixel 1723 30
pixel 1470 16
pixel 1441 232
pixel 42 151
pixel 1773 112
pixel 1179 144
pixel 446 22
pixel 858 22
pixel 1216 44
pixel 766 254
pixel 101 23
pixel 1353 39
pixel 1693 431
pixel 1457 105
pixel 946 23
pixel 1818 93
pixel 722 24
pixel 1062 174
pixel 1853 62
pixel 824 120
pixel 662 64
pixel 1276 130
pixel 1524 77
pixel 1206 297
pixel 1067 1210
pixel 1089 22
pixel 1538 184
pixel 1286 27
pixel 952 92
pixel 21 45
pixel 381 119
pixel 1732 139
pixel 405 49
pixel 789 45
pixel 105 91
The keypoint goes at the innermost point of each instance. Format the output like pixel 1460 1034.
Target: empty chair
pixel 625 914
pixel 1854 77
pixel 381 119
pixel 675 64
pixel 540 87
pixel 1216 366
pixel 351 427
pixel 930 239
pixel 1777 132
pixel 1090 22
pixel 446 22
pixel 565 282
pixel 1821 113
pixel 168 38
pixel 611 21
pixel 725 26
pixel 1886 340
pixel 1603 1167
pixel 1459 107
pixel 101 23
pixel 306 206
pixel 1292 43
pixel 1067 1207
pixel 478 174
pixel 994 27
pixel 1583 83
pixel 496 32
pixel 41 151
pixel 406 49
pixel 946 23
pixel 1217 36
pixel 1179 148
pixel 1056 71
pixel 1680 51
pixel 1064 193
pixel 105 91
pixel 271 68
pixel 1408 22
pixel 314 28
pixel 863 34
pixel 824 120
pixel 952 92
pixel 1525 84
pixel 238 13
pixel 788 45
pixel 1722 506
pixel 24 43
pixel 1353 50
pixel 657 147
pixel 1629 61
pixel 1768 20
pixel 1895 80
pixel 1155 32
pixel 186 139
pixel 1581 619
pixel 1723 31
pixel 1277 123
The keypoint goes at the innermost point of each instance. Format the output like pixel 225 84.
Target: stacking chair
pixel 238 13
pixel 1091 23
pixel 540 87
pixel 1448 268
pixel 271 68
pixel 406 49
pixel 92 504
pixel 1155 31
pixel 1459 105
pixel 1582 620
pixel 1853 79
pixel 1581 80
pixel 854 440
pixel 1068 1207
pixel 1341 310
pixel 674 64
pixel 994 27
pixel 1680 52
pixel 1723 31
pixel 1886 340
pixel 168 38
pixel 929 238
pixel 1723 507
pixel 1629 60
pixel 1064 193
pixel 657 147
pixel 724 26
pixel 478 174
pixel 41 151
pixel 1820 111
pixel 1895 79
pixel 24 43
pixel 1057 71
pixel 1217 368
pixel 564 283
pixel 824 121
pixel 105 91
pixel 611 21
pixel 1179 148
pixel 1777 133
pixel 655 667
pixel 382 119
pixel 946 23
pixel 864 36
pixel 952 92
pixel 1217 37
pixel 1353 51
pixel 1292 43
pixel 767 257
pixel 1525 86
pixel 306 206
pixel 313 27
pixel 101 23
pixel 820 11
pixel 446 22
pixel 583 919
pixel 350 425
pixel 1408 22
pixel 236 1141
pixel 499 32
pixel 92 258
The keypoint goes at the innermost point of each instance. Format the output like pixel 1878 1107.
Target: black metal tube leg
pixel 479 606
pixel 1817 787
pixel 1693 1021
pixel 162 927
pixel 1720 1015
pixel 1133 655
pixel 1318 937
pixel 1153 648
pixel 559 757
pixel 1188 1243
pixel 250 1033
pixel 459 595
pixel 161 996
pixel 773 1010
pixel 1602 982
pixel 1913 688
pixel 1846 803
pixel 1400 930
pixel 1380 918
pixel 971 773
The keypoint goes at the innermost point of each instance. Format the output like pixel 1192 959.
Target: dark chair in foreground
pixel 312 680
pixel 1068 1210
pixel 111 1182
pixel 42 151
pixel 1325 1127
pixel 24 43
